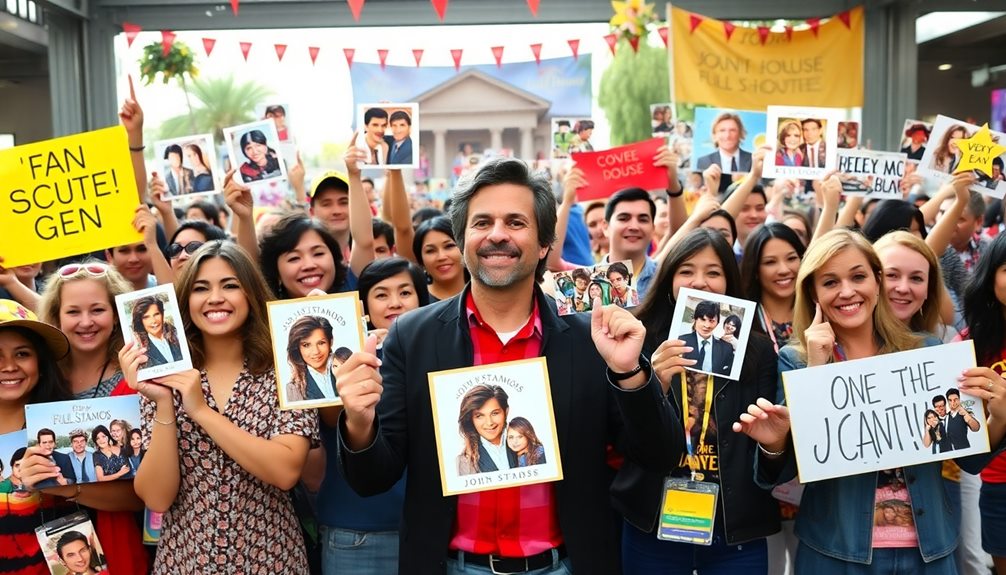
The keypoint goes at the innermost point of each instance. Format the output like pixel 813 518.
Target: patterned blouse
pixel 224 519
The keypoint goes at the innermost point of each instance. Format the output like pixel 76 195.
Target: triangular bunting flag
pixel 167 39
pixel 728 29
pixel 280 50
pixel 789 33
pixel 456 55
pixel 634 42
pixel 536 50
pixel 349 52
pixel 846 18
pixel 234 6
pixel 498 54
pixel 533 6
pixel 814 24
pixel 313 51
pixel 574 45
pixel 763 32
pixel 611 39
pixel 441 7
pixel 245 48
pixel 382 55
pixel 693 22
pixel 355 6
pixel 664 32
pixel 131 31
pixel 208 44
pixel 418 54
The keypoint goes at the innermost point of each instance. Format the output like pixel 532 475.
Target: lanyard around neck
pixel 706 409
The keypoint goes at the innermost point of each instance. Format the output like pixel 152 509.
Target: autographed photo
pixel 942 156
pixel 716 327
pixel 188 166
pixel 495 426
pixel 803 141
pixel 71 546
pixel 254 150
pixel 150 317
pixel 12 448
pixel 726 138
pixel 576 290
pixel 571 135
pixel 90 440
pixel 390 132
pixel 311 338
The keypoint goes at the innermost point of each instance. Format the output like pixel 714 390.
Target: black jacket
pixel 590 413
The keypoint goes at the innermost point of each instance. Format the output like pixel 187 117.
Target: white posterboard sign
pixel 884 412
pixel 873 174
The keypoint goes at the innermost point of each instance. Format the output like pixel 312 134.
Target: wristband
pixel 137 148
pixel 162 422
pixel 615 376
pixel 770 453
pixel 677 194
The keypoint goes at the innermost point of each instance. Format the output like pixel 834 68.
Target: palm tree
pixel 223 102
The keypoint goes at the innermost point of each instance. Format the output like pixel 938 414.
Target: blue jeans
pixel 902 561
pixel 358 552
pixel 644 554
pixel 459 567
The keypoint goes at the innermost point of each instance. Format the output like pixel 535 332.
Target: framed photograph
pixel 495 426
pixel 915 138
pixel 804 141
pixel 576 290
pixel 255 152
pixel 311 338
pixel 90 440
pixel 70 546
pixel 189 167
pixel 726 138
pixel 279 113
pixel 12 448
pixel 716 327
pixel 571 135
pixel 390 132
pixel 942 156
pixel 150 317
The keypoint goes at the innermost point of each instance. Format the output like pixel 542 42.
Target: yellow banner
pixel 797 69
pixel 66 196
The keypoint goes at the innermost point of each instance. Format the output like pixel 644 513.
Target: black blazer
pixel 743 161
pixel 590 414
pixel 62 460
pixel 154 357
pixel 723 352
pixel 957 432
pixel 313 390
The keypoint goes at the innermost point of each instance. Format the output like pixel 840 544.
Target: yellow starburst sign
pixel 978 151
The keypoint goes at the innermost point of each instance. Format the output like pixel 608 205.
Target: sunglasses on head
pixel 175 249
pixel 95 269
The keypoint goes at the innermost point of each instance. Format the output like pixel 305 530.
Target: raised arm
pixel 939 237
pixel 239 199
pixel 706 205
pixel 847 217
pixel 735 203
pixel 158 189
pixel 572 181
pixel 395 210
pixel 145 223
pixel 131 116
pixel 17 290
pixel 831 192
pixel 361 220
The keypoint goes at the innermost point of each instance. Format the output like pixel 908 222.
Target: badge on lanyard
pixel 151 527
pixel 70 544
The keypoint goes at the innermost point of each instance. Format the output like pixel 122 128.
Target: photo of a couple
pixel 491 441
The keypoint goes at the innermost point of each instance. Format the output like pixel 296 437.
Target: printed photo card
pixel 12 448
pixel 71 547
pixel 716 327
pixel 150 317
pixel 390 132
pixel 571 135
pixel 804 141
pixel 726 138
pixel 945 153
pixel 255 152
pixel 576 290
pixel 189 167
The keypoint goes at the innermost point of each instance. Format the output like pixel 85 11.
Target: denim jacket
pixel 836 515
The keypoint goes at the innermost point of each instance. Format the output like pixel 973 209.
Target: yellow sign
pixel 978 151
pixel 725 66
pixel 67 196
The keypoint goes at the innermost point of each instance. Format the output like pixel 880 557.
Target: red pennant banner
pixel 313 51
pixel 693 22
pixel 280 51
pixel 634 42
pixel 664 32
pixel 533 6
pixel 245 48
pixel 814 24
pixel 498 55
pixel 789 33
pixel 628 166
pixel 131 31
pixel 763 32
pixel 846 18
pixel 612 40
pixel 208 44
pixel 349 52
pixel 355 7
pixel 536 50
pixel 167 39
pixel 382 55
pixel 574 45
pixel 456 55
pixel 728 29
pixel 234 6
pixel 418 55
pixel 441 7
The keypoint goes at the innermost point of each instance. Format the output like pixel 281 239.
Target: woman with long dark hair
pixel 524 442
pixel 154 333
pixel 309 354
pixel 262 160
pixel 482 418
pixel 436 250
pixel 771 262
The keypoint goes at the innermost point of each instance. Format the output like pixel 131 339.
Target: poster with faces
pixel 70 546
pixel 151 319
pixel 494 426
pixel 570 135
pixel 611 283
pixel 716 327
pixel 943 155
pixel 255 152
pixel 389 135
pixel 804 141
pixel 311 338
pixel 12 447
pixel 188 167
pixel 726 138
pixel 89 440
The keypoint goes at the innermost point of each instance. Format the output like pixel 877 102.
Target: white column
pixel 441 169
pixel 527 144
pixel 496 139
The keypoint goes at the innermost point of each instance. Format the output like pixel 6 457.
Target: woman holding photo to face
pixel 153 333
pixel 308 352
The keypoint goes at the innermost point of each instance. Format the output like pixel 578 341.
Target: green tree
pixel 177 62
pixel 631 83
pixel 222 102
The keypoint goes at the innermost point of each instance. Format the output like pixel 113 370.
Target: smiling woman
pixel 300 255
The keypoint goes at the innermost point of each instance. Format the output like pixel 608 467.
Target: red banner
pixel 167 39
pixel 355 6
pixel 536 50
pixel 280 51
pixel 623 167
pixel 208 44
pixel 533 6
pixel 313 51
pixel 245 48
pixel 498 54
pixel 382 55
pixel 574 45
pixel 441 7
pixel 418 54
pixel 234 6
pixel 131 31
pixel 349 52
pixel 612 40
pixel 456 54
